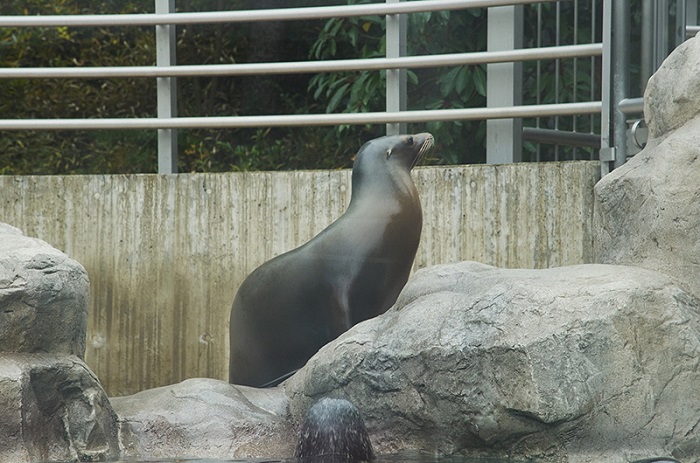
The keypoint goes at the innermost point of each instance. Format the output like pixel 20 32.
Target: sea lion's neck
pixel 383 185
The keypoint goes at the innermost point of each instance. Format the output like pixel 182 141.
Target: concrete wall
pixel 165 254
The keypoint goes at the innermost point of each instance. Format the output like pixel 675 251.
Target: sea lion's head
pixel 333 430
pixel 384 164
pixel 400 150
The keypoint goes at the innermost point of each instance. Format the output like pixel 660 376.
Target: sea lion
pixel 333 431
pixel 295 303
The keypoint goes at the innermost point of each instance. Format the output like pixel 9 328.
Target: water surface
pixel 405 457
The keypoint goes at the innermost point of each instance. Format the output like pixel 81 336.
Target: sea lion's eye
pixel 409 141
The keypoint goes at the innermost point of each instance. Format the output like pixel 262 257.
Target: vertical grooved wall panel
pixel 166 253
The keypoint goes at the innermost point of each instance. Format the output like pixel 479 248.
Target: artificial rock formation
pixel 54 409
pixel 206 418
pixel 52 406
pixel 647 212
pixel 44 297
pixel 672 95
pixel 585 363
pixel 580 364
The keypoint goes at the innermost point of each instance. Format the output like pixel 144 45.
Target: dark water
pixel 412 457
pixel 406 457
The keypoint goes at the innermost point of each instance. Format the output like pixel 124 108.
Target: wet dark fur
pixel 333 430
pixel 292 305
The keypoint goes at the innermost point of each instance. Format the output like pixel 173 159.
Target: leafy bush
pixel 59 152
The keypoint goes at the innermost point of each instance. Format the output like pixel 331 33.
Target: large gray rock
pixel 672 96
pixel 52 408
pixel 44 297
pixel 577 364
pixel 206 418
pixel 588 363
pixel 647 212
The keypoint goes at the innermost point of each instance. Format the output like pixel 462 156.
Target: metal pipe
pixel 561 137
pixel 278 14
pixel 504 85
pixel 681 22
pixel 607 146
pixel 166 90
pixel 396 79
pixel 592 107
pixel 631 105
pixel 620 75
pixel 452 59
pixel 647 44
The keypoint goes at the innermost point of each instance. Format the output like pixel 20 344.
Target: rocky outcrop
pixel 578 364
pixel 672 95
pixel 52 406
pixel 206 418
pixel 585 363
pixel 54 409
pixel 44 297
pixel 647 212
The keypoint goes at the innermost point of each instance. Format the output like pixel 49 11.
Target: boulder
pixel 206 418
pixel 672 95
pixel 647 212
pixel 586 363
pixel 44 297
pixel 53 409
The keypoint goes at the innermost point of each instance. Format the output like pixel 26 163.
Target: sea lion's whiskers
pixel 427 145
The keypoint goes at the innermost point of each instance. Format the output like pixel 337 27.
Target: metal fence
pixel 166 70
pixel 595 121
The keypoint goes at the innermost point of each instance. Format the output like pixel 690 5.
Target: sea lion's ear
pixel 388 153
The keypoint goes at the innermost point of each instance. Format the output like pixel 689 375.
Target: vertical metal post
pixel 395 78
pixel 647 66
pixel 681 21
pixel 607 148
pixel 691 13
pixel 686 15
pixel 621 74
pixel 167 90
pixel 661 32
pixel 504 85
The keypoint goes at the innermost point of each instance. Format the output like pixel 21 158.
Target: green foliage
pixel 442 88
pixel 59 152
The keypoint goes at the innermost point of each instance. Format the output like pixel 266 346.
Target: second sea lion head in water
pixel 294 304
pixel 333 431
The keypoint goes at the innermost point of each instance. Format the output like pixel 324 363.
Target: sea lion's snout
pixel 425 141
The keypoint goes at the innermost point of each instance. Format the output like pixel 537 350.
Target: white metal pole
pixel 504 85
pixel 395 78
pixel 167 90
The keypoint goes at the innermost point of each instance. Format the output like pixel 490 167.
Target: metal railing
pixel 622 111
pixel 166 70
pixel 502 58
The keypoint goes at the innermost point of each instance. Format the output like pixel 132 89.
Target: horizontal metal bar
pixel 631 106
pixel 454 59
pixel 563 109
pixel 691 31
pixel 279 14
pixel 561 137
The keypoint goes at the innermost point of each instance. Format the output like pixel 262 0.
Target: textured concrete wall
pixel 165 254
